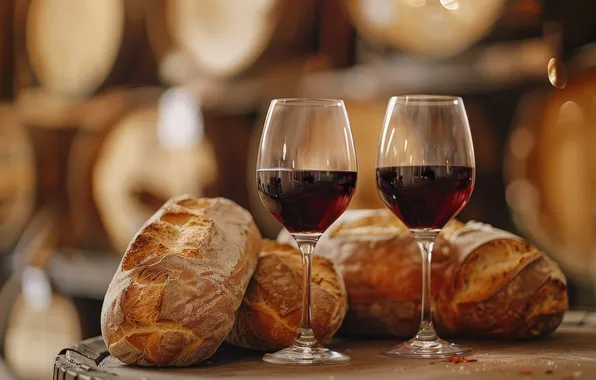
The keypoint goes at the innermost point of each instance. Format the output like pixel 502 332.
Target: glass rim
pixel 317 102
pixel 426 99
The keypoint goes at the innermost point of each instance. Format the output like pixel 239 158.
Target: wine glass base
pixel 306 356
pixel 415 348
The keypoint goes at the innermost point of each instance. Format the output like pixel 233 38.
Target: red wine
pixel 425 196
pixel 306 201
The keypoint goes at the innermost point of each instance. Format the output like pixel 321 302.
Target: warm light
pixel 416 3
pixel 180 122
pixel 36 289
pixel 380 12
pixel 521 143
pixel 405 145
pixel 284 148
pixel 521 195
pixel 452 5
pixel 570 112
pixel 557 74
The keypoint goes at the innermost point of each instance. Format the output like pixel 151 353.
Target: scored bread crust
pixel 270 314
pixel 506 288
pixel 174 297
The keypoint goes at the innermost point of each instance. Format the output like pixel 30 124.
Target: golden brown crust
pixel 270 313
pixel 503 289
pixel 381 266
pixel 180 283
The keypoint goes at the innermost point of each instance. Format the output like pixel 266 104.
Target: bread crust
pixel 381 266
pixel 501 288
pixel 270 313
pixel 504 289
pixel 174 297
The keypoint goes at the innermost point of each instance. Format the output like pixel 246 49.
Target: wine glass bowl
pixel 306 176
pixel 425 175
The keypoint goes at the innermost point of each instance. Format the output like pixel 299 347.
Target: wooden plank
pixel 484 68
pixel 336 35
pixel 67 370
pixel 7 49
pixel 590 319
pixel 569 353
pixel 83 273
pixel 91 351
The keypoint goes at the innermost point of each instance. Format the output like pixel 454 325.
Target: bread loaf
pixel 174 297
pixel 381 266
pixel 270 313
pixel 486 285
pixel 499 287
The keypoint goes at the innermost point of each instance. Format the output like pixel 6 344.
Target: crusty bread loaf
pixel 270 313
pixel 485 286
pixel 499 287
pixel 174 297
pixel 381 266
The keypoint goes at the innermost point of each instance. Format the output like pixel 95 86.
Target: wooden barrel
pixel 568 354
pixel 51 122
pixel 40 108
pixel 227 37
pixel 135 150
pixel 36 321
pixel 33 336
pixel 576 18
pixel 6 49
pixel 434 29
pixel 76 48
pixel 18 176
pixel 551 171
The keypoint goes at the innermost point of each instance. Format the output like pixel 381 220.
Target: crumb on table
pixel 460 359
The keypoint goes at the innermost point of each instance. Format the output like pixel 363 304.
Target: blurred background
pixel 110 107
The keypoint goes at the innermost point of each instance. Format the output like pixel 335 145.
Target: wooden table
pixel 570 354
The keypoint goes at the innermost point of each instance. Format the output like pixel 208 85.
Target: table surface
pixel 570 353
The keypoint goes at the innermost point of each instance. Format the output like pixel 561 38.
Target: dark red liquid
pixel 306 201
pixel 425 196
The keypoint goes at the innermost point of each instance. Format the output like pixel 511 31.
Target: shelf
pixel 483 68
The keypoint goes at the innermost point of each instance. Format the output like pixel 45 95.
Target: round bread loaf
pixel 181 281
pixel 381 266
pixel 269 316
pixel 499 287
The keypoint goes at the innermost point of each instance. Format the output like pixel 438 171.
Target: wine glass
pixel 306 176
pixel 425 175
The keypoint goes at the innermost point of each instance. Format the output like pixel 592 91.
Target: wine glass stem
pixel 426 331
pixel 306 337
